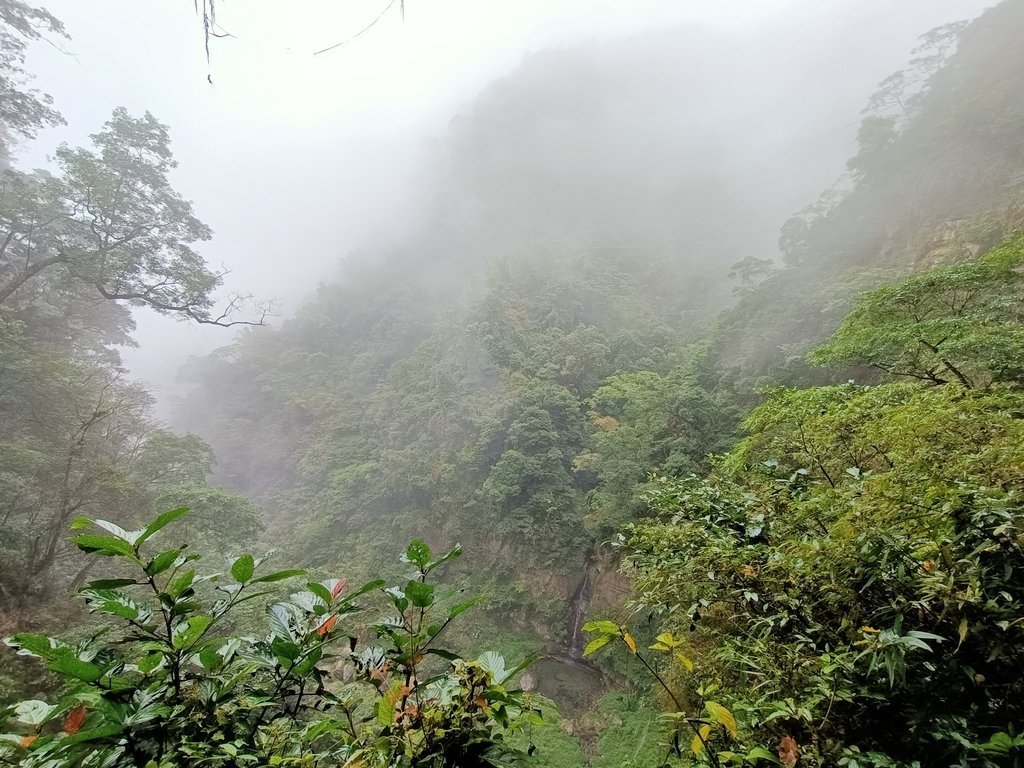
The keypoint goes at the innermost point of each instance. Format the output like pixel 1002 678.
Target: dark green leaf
pixel 307 665
pixel 162 562
pixel 420 594
pixel 243 568
pixel 180 583
pixel 210 659
pixel 285 649
pixel 279 576
pixel 110 583
pixel 320 591
pixel 108 546
pixel 69 664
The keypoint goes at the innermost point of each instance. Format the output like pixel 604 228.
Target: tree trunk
pixel 27 274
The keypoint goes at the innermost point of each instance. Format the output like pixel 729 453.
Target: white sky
pixel 295 159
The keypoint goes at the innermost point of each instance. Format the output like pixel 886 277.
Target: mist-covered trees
pixel 23 110
pixel 466 415
pixel 108 222
pixel 936 183
pixel 78 247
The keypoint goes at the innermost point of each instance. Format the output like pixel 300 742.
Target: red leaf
pixel 338 586
pixel 27 741
pixel 75 720
pixel 327 626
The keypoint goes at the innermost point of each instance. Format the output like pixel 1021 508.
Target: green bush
pixel 166 686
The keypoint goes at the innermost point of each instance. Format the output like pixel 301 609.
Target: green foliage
pixel 374 415
pixel 698 727
pixel 23 110
pixel 109 224
pixel 166 686
pixel 632 737
pixel 852 573
pixel 958 323
pixel 643 421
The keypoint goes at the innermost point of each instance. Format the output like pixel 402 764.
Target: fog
pixel 487 127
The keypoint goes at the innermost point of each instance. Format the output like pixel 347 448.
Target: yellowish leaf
pixel 697 745
pixel 962 631
pixel 685 662
pixel 630 642
pixel 722 715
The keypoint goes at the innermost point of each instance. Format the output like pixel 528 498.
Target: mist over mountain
pixel 659 376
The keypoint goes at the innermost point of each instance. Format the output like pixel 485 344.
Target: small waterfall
pixel 578 609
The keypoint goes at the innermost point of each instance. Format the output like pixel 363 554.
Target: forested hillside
pixel 518 412
pixel 937 178
pixel 782 485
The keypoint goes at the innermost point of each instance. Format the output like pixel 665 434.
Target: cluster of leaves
pixel 852 572
pixel 958 323
pixel 168 686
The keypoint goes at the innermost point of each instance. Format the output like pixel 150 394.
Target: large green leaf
pixel 162 562
pixel 597 644
pixel 67 663
pixel 29 644
pixel 161 521
pixel 191 631
pixel 604 626
pixel 109 546
pixel 419 593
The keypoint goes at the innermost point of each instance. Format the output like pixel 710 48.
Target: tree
pixel 109 220
pixel 749 272
pixel 963 323
pixel 23 110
